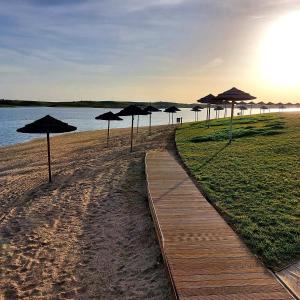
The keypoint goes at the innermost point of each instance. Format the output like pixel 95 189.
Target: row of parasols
pixel 219 106
pixel 48 124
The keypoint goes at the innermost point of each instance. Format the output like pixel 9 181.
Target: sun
pixel 280 51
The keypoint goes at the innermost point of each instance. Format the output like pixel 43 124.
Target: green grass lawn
pixel 254 182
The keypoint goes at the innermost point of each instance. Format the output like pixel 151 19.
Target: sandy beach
pixel 89 234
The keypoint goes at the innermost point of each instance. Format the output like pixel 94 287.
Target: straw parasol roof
pixel 131 110
pixel 47 125
pixel 270 103
pixel 234 95
pixel 108 116
pixel 172 109
pixel 151 108
pixel 209 99
pixel 261 103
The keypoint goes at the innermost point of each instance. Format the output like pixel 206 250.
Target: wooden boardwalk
pixel 204 256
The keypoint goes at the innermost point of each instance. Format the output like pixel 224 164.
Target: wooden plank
pixel 204 256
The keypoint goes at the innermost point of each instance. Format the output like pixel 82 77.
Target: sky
pixel 149 50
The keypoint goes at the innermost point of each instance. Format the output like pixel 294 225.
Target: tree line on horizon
pixel 88 103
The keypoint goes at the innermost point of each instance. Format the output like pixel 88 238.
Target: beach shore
pixel 89 234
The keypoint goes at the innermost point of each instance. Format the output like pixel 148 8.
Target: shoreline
pixel 41 137
pixel 9 137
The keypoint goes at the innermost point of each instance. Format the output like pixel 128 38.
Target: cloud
pixel 139 5
pixel 214 63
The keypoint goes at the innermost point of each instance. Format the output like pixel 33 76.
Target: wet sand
pixel 89 234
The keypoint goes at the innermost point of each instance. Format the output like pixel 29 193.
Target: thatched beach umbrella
pixel 108 116
pixel 217 109
pixel 288 105
pixel 232 96
pixel 150 109
pixel 196 109
pixel 143 113
pixel 243 108
pixel 47 125
pixel 261 103
pixel 251 105
pixel 280 106
pixel 208 100
pixel 172 110
pixel 131 110
pixel 269 105
pixel 263 108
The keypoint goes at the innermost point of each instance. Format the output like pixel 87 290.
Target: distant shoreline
pixel 91 104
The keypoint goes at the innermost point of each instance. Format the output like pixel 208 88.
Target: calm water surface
pixel 83 118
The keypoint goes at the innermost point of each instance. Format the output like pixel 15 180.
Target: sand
pixel 89 234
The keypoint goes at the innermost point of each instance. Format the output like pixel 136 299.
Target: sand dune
pixel 89 235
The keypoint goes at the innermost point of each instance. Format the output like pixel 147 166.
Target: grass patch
pixel 255 181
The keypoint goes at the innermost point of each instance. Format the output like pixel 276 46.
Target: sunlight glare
pixel 281 51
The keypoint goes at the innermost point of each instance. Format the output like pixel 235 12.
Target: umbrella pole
pixel 131 137
pixel 108 125
pixel 150 123
pixel 169 118
pixel 172 118
pixel 137 124
pixel 49 160
pixel 231 121
pixel 208 115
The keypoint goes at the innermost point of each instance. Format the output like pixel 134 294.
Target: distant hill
pixel 97 104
